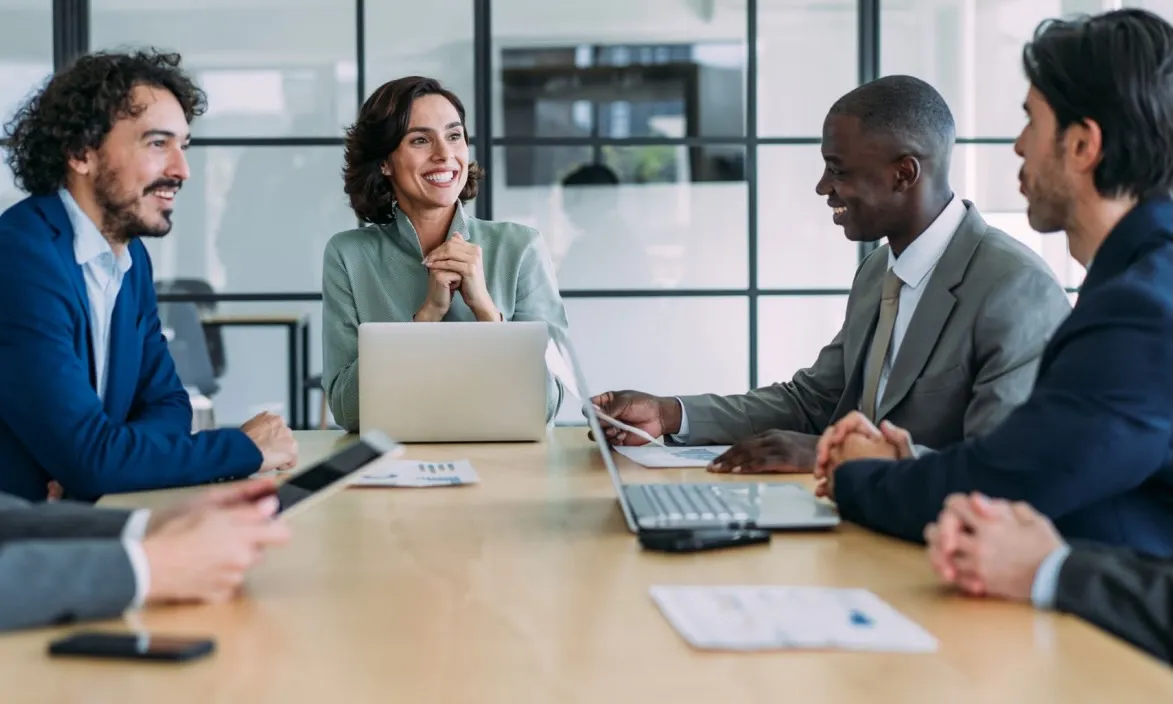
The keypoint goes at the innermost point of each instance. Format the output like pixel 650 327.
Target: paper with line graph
pixel 658 457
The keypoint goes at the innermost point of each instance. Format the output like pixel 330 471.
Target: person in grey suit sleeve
pixel 936 336
pixel 62 562
pixel 990 547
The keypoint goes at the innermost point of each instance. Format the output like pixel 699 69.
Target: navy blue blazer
pixel 53 425
pixel 1092 447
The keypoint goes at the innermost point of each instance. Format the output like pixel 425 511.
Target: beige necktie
pixel 880 343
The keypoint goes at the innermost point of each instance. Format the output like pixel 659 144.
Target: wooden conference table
pixel 528 588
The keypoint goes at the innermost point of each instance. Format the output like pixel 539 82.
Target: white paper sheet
pixel 412 473
pixel 769 618
pixel 660 457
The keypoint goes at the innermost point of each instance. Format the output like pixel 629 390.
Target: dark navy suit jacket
pixel 53 424
pixel 1092 447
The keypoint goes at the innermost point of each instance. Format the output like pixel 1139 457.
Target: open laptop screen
pixel 565 349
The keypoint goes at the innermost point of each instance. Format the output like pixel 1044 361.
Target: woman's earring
pixel 394 202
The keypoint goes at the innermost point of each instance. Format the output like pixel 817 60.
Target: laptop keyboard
pixel 672 503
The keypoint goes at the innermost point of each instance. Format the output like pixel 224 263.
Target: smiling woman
pixel 422 257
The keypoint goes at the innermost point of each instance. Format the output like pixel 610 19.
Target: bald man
pixel 945 323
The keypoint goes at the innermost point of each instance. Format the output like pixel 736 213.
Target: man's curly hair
pixel 79 106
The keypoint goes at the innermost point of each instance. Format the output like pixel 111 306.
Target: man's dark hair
pixel 908 110
pixel 1115 69
pixel 78 107
pixel 381 125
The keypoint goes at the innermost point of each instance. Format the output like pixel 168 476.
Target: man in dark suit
pixel 61 561
pixel 935 337
pixel 994 548
pixel 1092 448
pixel 89 396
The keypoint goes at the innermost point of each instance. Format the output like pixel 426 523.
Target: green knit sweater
pixel 375 274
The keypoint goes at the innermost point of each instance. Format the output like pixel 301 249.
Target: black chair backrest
pixel 189 348
pixel 213 334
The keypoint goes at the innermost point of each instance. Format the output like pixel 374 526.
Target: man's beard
pixel 1050 203
pixel 120 218
pixel 1050 207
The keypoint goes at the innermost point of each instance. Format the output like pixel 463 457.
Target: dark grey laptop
pixel 766 505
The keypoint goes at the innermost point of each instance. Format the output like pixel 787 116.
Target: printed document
pixel 391 472
pixel 658 457
pixel 768 618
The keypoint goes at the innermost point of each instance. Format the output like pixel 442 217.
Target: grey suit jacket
pixel 1126 593
pixel 61 562
pixel 969 356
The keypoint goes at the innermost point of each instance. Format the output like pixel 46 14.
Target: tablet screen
pixel 332 469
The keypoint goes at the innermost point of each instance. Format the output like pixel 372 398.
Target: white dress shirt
pixel 132 541
pixel 913 266
pixel 104 272
pixel 1046 582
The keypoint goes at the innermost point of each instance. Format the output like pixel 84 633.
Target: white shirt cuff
pixel 682 435
pixel 132 541
pixel 1042 591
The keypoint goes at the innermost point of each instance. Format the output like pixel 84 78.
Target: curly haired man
pixel 90 402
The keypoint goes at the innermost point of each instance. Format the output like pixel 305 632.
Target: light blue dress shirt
pixel 103 272
pixel 1042 592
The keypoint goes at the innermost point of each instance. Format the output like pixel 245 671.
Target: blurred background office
pixel 667 150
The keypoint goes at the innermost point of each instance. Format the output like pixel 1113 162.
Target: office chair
pixel 189 349
pixel 213 334
pixel 315 382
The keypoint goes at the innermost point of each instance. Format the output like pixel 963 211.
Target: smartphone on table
pixel 131 646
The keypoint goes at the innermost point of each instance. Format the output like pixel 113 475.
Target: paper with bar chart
pixel 413 473
pixel 749 618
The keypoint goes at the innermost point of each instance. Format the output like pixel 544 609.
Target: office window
pixel 431 39
pixel 791 332
pixel 987 175
pixel 1163 8
pixel 619 130
pixel 662 227
pixel 269 68
pixel 255 218
pixel 798 244
pixel 618 69
pixel 970 51
pixel 26 62
pixel 9 194
pixel 807 58
pixel 26 51
pixel 636 164
pixel 660 345
pixel 256 360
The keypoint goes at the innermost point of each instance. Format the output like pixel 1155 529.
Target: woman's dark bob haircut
pixel 381 125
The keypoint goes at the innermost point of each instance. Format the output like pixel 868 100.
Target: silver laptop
pixel 688 506
pixel 453 381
